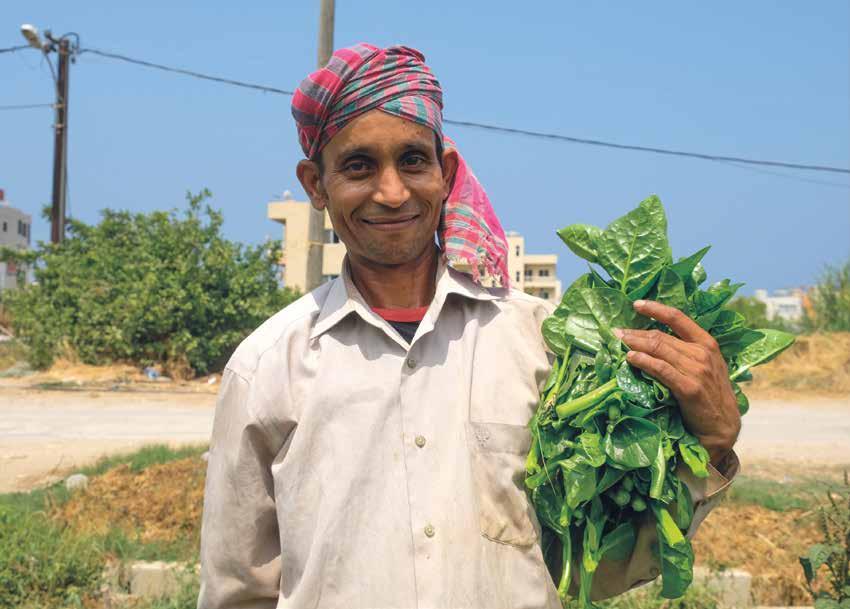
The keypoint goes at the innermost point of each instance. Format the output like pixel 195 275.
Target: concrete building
pixel 15 229
pixel 313 254
pixel 787 304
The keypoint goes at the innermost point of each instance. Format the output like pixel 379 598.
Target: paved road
pixel 44 434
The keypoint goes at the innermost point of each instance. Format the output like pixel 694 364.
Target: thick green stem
pixel 577 405
pixel 556 388
pixel 566 565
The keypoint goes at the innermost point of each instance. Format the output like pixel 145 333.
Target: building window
pixel 528 273
pixel 517 250
pixel 544 294
pixel 517 276
pixel 5 227
pixel 544 272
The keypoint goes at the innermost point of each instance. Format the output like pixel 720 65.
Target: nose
pixel 391 190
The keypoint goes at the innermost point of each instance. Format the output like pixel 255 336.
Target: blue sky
pixel 763 79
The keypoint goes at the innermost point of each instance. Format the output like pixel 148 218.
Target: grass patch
pixel 649 597
pixel 776 496
pixel 44 562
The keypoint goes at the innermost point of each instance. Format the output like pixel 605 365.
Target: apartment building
pixel 313 254
pixel 787 304
pixel 15 228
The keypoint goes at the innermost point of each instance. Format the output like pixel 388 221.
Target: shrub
pixel 830 299
pixel 43 565
pixel 147 288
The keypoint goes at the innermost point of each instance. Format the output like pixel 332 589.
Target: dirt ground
pixel 164 502
pixel 47 434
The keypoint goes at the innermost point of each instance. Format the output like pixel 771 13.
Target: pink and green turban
pixel 396 80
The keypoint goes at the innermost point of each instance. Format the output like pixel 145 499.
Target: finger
pixel 666 373
pixel 662 346
pixel 684 327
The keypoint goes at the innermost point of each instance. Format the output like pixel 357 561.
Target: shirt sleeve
pixel 240 543
pixel 614 577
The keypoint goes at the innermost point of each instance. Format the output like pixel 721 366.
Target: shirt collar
pixel 344 298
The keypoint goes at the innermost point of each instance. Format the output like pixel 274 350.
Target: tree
pixel 147 288
pixel 830 301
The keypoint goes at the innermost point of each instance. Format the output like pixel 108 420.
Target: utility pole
pixel 60 145
pixel 326 32
pixel 316 222
pixel 66 52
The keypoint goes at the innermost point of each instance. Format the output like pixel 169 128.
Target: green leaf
pixel 659 472
pixel 714 297
pixel 619 543
pixel 633 443
pixel 772 344
pixel 553 332
pixel 548 507
pixel 633 249
pixel 741 399
pixel 610 477
pixel 579 480
pixel 582 240
pixel 603 366
pixel 687 270
pixel 828 603
pixel 590 445
pixel 676 554
pixel 694 455
pixel 593 312
pixel 682 509
pixel 670 290
pixel 634 389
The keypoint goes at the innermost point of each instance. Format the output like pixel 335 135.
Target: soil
pixel 161 503
pixel 164 503
pixel 764 543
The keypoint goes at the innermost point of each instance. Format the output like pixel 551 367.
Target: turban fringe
pixel 396 80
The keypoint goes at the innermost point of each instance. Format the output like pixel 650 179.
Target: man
pixel 370 439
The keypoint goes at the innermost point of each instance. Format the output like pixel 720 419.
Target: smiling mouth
pixel 391 223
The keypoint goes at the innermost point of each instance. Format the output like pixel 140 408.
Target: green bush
pixel 147 288
pixel 830 300
pixel 42 565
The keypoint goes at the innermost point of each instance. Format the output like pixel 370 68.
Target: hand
pixel 692 367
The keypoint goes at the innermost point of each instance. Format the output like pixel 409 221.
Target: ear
pixel 311 179
pixel 450 163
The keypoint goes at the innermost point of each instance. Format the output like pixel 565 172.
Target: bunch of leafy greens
pixel 608 438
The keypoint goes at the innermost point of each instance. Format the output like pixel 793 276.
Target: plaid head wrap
pixel 396 80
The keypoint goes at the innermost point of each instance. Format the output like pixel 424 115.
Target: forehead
pixel 378 131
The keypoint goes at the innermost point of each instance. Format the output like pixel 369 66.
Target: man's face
pixel 383 186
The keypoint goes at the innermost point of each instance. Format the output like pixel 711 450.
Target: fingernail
pixel 640 303
pixel 618 332
pixel 630 354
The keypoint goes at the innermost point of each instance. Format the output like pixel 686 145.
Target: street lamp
pixel 30 32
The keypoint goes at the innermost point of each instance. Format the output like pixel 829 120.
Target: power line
pixel 697 155
pixel 228 81
pixel 787 176
pixel 497 128
pixel 25 106
pixel 13 49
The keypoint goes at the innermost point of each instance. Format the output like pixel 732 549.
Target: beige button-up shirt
pixel 350 469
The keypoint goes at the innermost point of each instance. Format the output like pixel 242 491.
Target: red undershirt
pixel 405 321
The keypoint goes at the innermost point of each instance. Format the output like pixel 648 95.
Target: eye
pixel 413 160
pixel 356 167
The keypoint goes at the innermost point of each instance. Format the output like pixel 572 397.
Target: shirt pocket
pixel 497 455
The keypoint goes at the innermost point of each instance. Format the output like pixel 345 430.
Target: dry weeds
pixel 816 365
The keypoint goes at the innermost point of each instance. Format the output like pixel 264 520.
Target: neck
pixel 402 286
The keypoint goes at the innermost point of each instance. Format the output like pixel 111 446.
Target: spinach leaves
pixel 607 438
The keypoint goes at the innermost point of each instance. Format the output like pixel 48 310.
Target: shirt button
pixel 429 531
pixel 420 441
pixel 411 363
